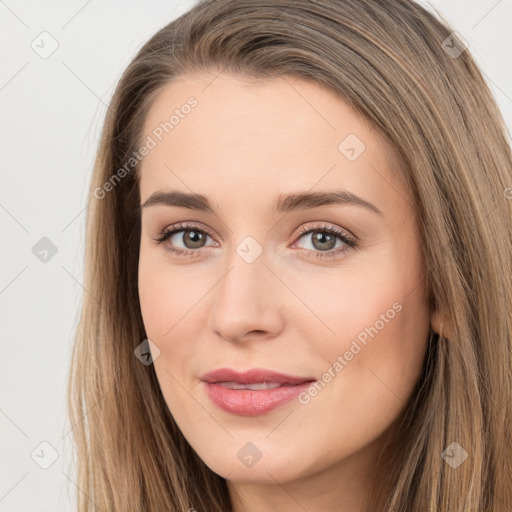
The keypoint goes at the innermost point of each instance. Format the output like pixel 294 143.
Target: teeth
pixel 254 387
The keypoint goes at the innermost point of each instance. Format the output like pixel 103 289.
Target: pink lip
pixel 246 402
pixel 252 376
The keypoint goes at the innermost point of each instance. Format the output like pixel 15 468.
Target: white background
pixel 51 114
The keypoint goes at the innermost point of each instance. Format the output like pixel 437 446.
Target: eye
pixel 194 238
pixel 323 240
pixel 322 245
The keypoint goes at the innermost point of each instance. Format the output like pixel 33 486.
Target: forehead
pixel 231 109
pixel 229 134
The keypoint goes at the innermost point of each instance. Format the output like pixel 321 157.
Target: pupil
pixel 320 237
pixel 195 243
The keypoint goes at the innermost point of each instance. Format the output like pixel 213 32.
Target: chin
pixel 247 465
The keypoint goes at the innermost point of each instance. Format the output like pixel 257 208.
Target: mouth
pixel 253 392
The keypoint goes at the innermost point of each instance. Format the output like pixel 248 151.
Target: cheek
pixel 165 294
pixel 343 305
pixel 380 315
pixel 174 313
pixel 374 356
pixel 165 297
pixel 368 377
pixel 155 299
pixel 377 340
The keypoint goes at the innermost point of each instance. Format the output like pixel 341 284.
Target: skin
pixel 243 144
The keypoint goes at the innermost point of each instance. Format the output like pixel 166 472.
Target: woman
pixel 299 266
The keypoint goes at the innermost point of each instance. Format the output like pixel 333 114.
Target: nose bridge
pixel 245 299
pixel 244 284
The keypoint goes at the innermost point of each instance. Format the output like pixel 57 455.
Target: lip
pixel 245 402
pixel 252 376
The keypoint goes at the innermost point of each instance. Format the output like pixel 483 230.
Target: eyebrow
pixel 284 203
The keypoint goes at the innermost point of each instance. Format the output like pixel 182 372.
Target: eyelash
pixel 168 232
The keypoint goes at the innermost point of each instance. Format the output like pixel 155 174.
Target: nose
pixel 247 302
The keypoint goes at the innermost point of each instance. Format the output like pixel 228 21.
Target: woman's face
pixel 263 284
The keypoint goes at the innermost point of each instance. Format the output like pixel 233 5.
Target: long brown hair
pixel 402 69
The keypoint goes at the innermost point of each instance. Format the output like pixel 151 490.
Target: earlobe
pixel 440 325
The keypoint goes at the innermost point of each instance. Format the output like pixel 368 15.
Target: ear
pixel 440 325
